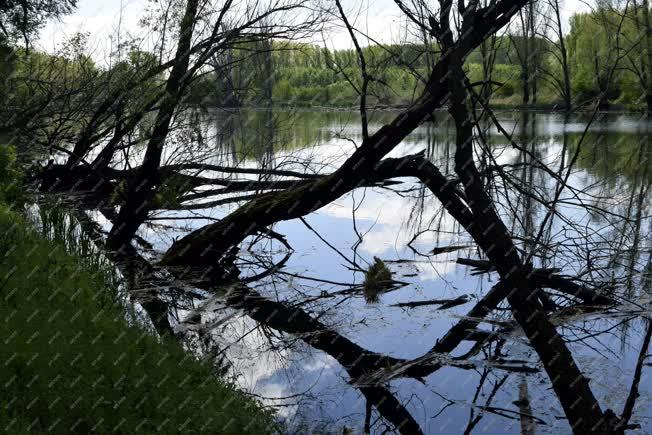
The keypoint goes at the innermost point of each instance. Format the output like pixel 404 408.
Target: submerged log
pixel 445 303
pixel 356 361
pixel 292 320
pixel 547 278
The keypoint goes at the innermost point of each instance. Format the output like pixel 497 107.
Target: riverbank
pixel 73 363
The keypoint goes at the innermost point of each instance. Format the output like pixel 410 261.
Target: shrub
pixel 11 191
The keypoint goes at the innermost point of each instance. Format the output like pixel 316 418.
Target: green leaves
pixel 10 177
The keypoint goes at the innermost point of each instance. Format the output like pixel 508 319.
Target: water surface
pixel 601 233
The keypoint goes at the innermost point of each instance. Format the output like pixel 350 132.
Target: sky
pixel 103 18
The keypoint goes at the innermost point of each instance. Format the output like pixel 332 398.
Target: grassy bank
pixel 72 363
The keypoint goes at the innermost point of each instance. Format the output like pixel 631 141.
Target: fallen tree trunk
pixel 204 247
pixel 177 190
pixel 572 388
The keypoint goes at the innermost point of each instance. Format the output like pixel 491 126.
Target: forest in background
pixel 535 62
pixel 604 52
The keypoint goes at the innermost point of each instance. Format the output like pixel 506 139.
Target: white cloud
pixel 100 19
pixel 385 220
pixel 381 19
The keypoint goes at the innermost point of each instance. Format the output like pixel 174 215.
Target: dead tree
pixel 204 247
pixel 197 256
pixel 203 257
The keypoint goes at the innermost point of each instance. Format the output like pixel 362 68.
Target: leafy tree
pixel 22 19
pixel 594 49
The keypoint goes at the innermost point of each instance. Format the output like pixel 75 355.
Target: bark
pixel 141 191
pixel 572 388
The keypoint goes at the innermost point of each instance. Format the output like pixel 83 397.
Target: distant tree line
pixel 603 55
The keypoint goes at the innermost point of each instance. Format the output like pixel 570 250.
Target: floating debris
pixel 452 248
pixel 445 303
pixel 377 279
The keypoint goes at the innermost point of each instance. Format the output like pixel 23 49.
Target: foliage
pixel 308 75
pixel 606 58
pixel 11 191
pixel 507 75
pixel 592 50
pixel 22 19
pixel 607 153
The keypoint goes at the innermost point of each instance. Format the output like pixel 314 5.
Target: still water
pixel 600 233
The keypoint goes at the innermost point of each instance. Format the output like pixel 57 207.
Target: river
pixel 601 232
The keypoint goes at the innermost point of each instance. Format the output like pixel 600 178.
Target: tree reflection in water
pixel 294 328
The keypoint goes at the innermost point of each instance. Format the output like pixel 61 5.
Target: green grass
pixel 71 363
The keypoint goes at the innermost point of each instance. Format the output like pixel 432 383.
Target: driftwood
pixel 445 303
pixel 446 249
